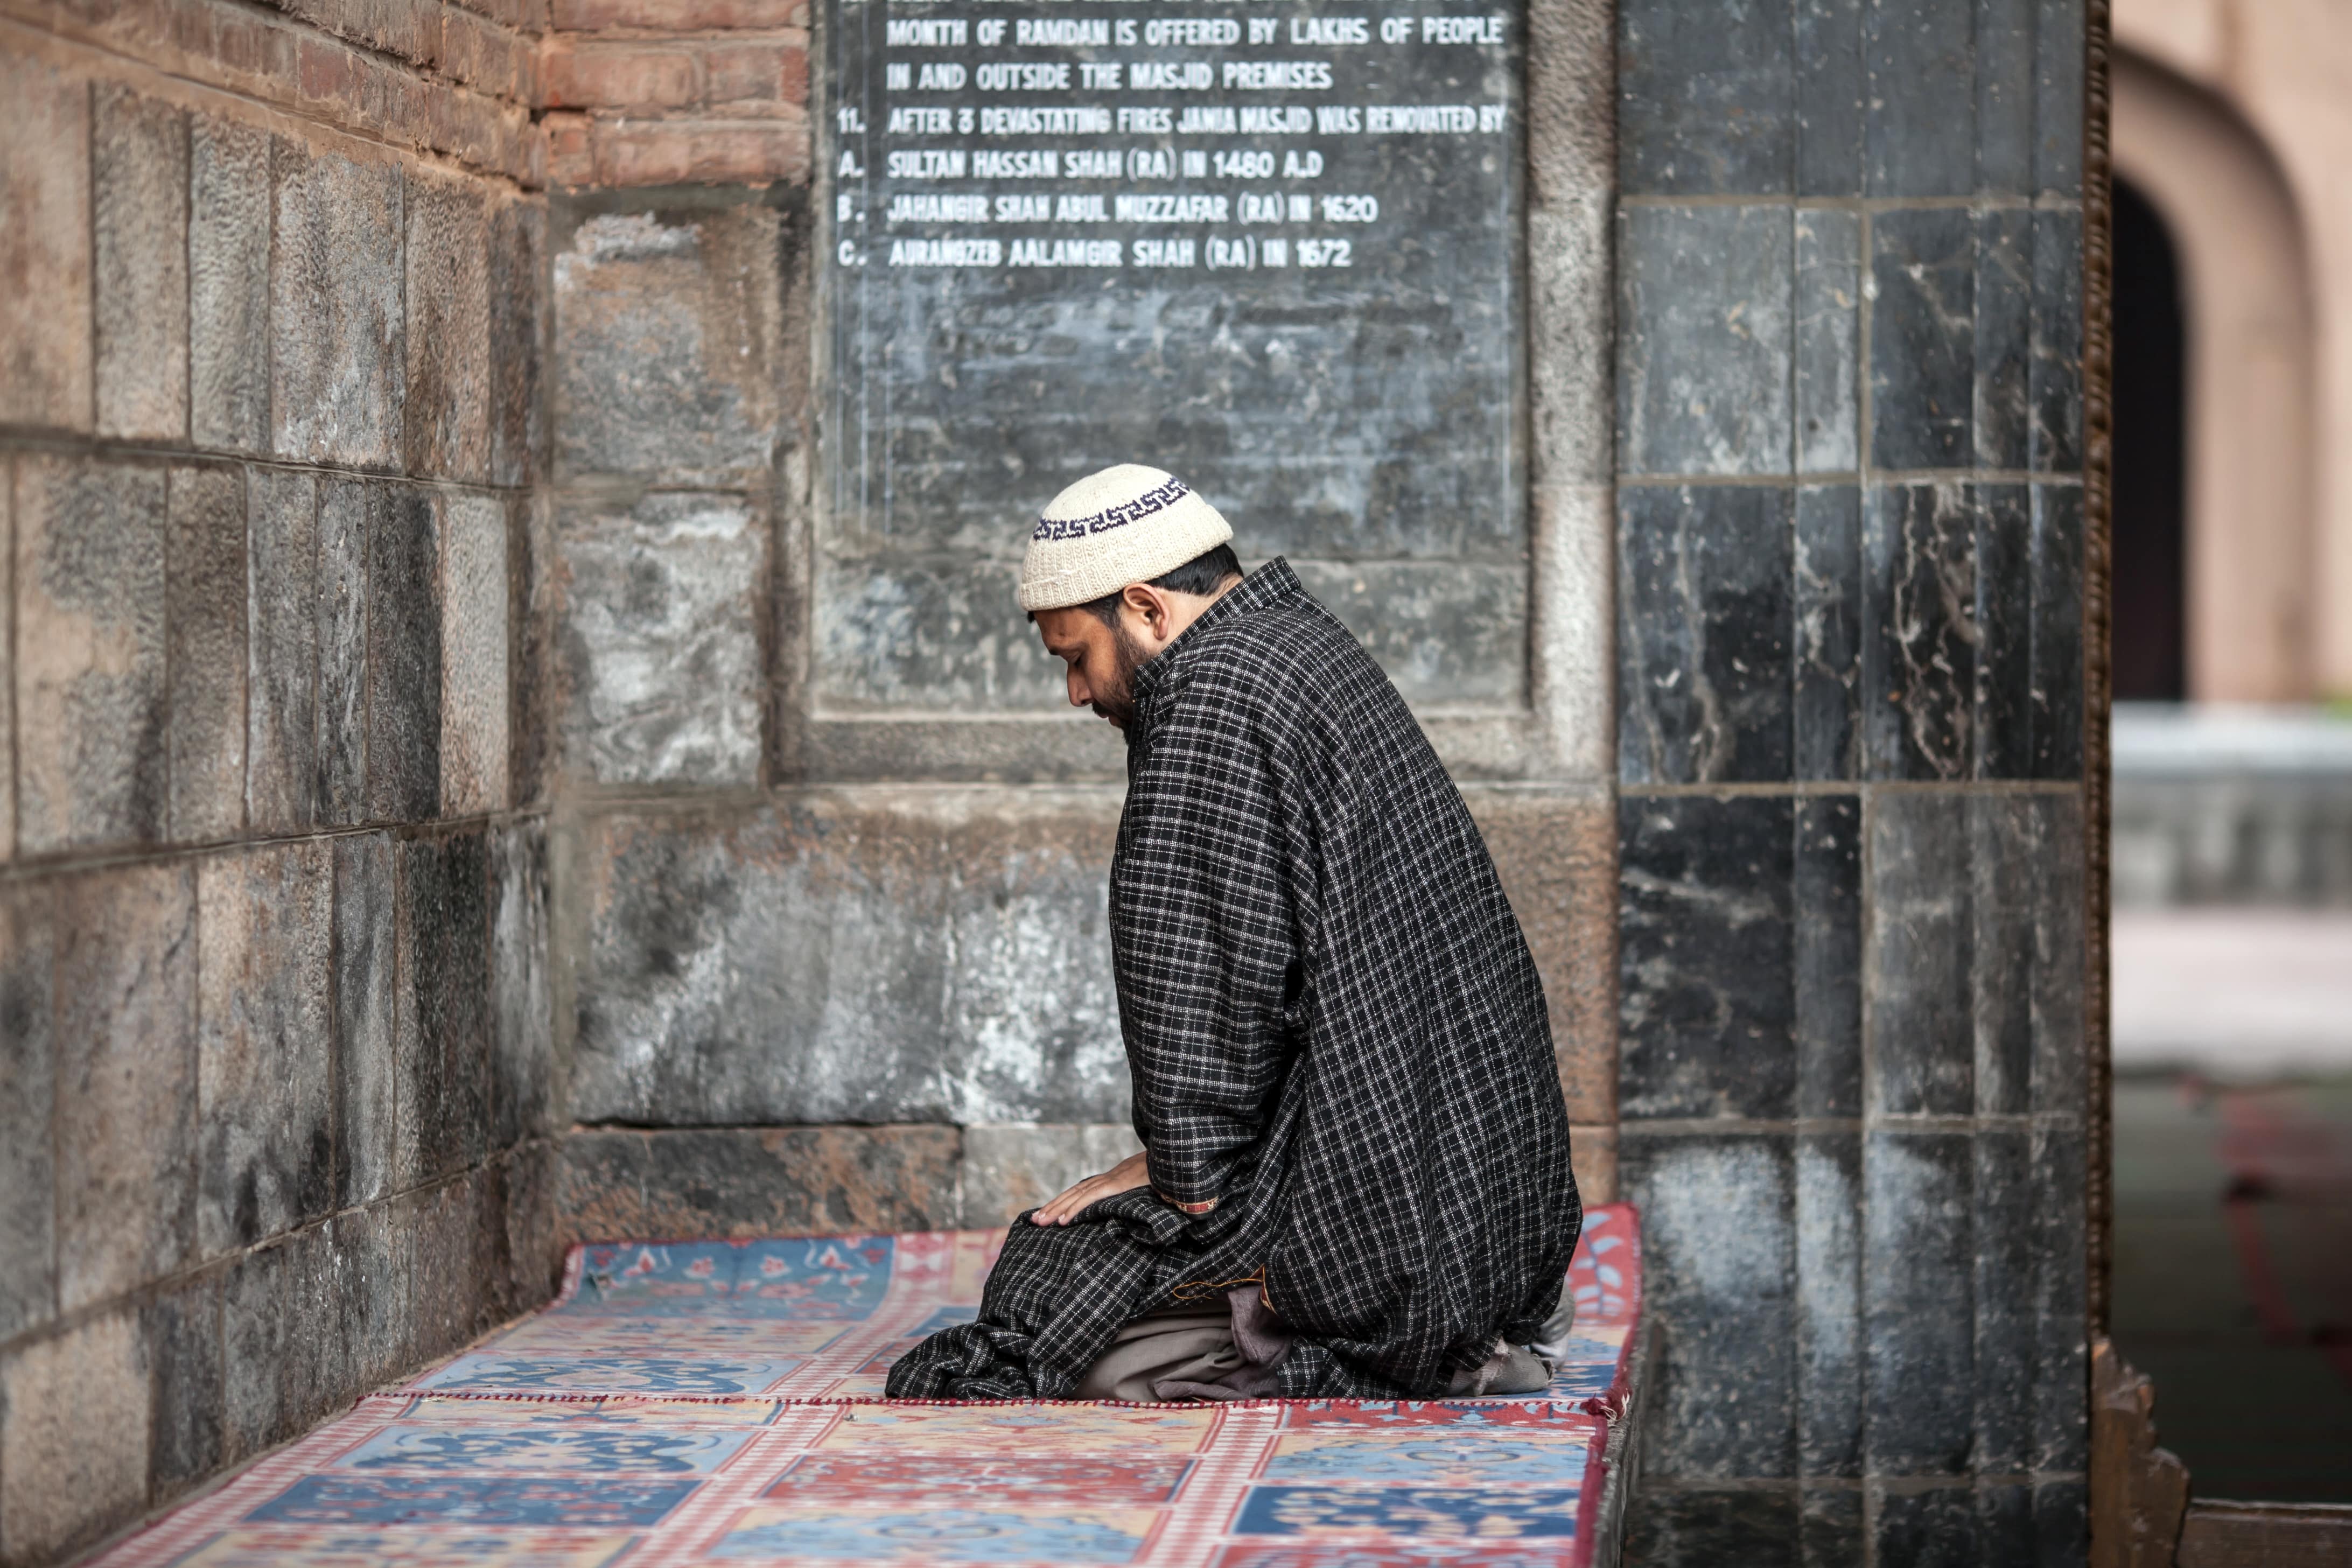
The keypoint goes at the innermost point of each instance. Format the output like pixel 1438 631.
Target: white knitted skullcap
pixel 1125 524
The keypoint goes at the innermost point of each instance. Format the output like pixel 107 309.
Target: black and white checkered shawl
pixel 1343 1063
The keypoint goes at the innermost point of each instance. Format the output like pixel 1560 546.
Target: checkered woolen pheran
pixel 1336 1035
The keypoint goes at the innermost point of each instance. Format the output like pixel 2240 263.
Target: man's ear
pixel 1145 601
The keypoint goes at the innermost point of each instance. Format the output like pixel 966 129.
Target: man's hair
pixel 1201 575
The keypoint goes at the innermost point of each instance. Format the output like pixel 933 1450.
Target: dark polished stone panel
pixel 1706 97
pixel 1704 627
pixel 1752 1528
pixel 1923 266
pixel 1828 255
pixel 1920 129
pixel 1719 1253
pixel 1830 95
pixel 1703 340
pixel 1830 1528
pixel 1828 1303
pixel 2003 618
pixel 404 664
pixel 1919 956
pixel 1919 639
pixel 1827 932
pixel 2004 333
pixel 1706 1006
pixel 2062 1354
pixel 1825 691
pixel 2058 97
pixel 2062 1525
pixel 2055 370
pixel 2006 1297
pixel 2057 664
pixel 1917 1273
pixel 2004 73
pixel 1937 1528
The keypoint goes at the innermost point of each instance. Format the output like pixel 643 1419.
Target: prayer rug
pixel 718 1404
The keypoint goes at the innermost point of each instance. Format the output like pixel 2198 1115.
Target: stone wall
pixel 276 1077
pixel 1849 757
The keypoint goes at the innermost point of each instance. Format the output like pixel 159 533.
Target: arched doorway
pixel 2150 559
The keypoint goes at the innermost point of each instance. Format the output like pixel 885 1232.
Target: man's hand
pixel 1126 1176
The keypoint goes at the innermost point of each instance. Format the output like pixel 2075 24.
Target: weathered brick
pixel 479 52
pixel 742 74
pixel 661 640
pixel 474 655
pixel 91 746
pixel 282 651
pixel 263 1077
pixel 1010 1169
pixel 522 1050
pixel 678 15
pixel 447 409
pixel 571 155
pixel 28 1278
pixel 204 609
pixel 404 658
pixel 337 355
pixel 518 315
pixel 631 75
pixel 183 1334
pixel 228 285
pixel 126 1050
pixel 707 152
pixel 74 1417
pixel 139 157
pixel 45 313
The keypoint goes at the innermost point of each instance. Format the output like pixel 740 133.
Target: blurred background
pixel 2233 744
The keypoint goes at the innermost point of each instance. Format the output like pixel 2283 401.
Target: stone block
pixel 1708 106
pixel 1828 370
pixel 1917 1266
pixel 517 329
pixel 1718 1250
pixel 660 638
pixel 1706 622
pixel 1827 940
pixel 2058 97
pixel 2004 69
pixel 2055 711
pixel 1831 98
pixel 91 722
pixel 337 350
pixel 1705 340
pixel 44 251
pixel 445 1286
pixel 2004 330
pixel 1922 351
pixel 522 1051
pixel 1830 1527
pixel 351 512
pixel 74 1434
pixel 205 611
pixel 1919 130
pixel 374 1305
pixel 259 1299
pixel 739 1182
pixel 1448 635
pixel 2055 370
pixel 442 1086
pixel 474 654
pixel 182 1330
pixel 532 561
pixel 2061 1354
pixel 1825 701
pixel 1937 1527
pixel 265 1072
pixel 534 1241
pixel 1593 1157
pixel 940 955
pixel 8 669
pixel 366 1023
pixel 126 1047
pixel 940 637
pixel 228 285
pixel 1689 1525
pixel 281 732
pixel 1920 642
pixel 139 190
pixel 1829 1349
pixel 1557 857
pixel 1706 997
pixel 1009 1170
pixel 665 338
pixel 404 658
pixel 447 408
pixel 2004 1296
pixel 29 1263
pixel 1917 956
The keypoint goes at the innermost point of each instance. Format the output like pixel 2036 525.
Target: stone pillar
pixel 1850 755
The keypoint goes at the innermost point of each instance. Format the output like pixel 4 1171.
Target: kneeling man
pixel 1355 1171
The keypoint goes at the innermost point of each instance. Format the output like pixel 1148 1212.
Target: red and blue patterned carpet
pixel 720 1402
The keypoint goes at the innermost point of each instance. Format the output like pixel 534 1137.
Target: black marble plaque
pixel 1272 247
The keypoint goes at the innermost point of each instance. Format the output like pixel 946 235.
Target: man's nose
pixel 1079 696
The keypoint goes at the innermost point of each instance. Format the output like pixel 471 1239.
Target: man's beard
pixel 1115 700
